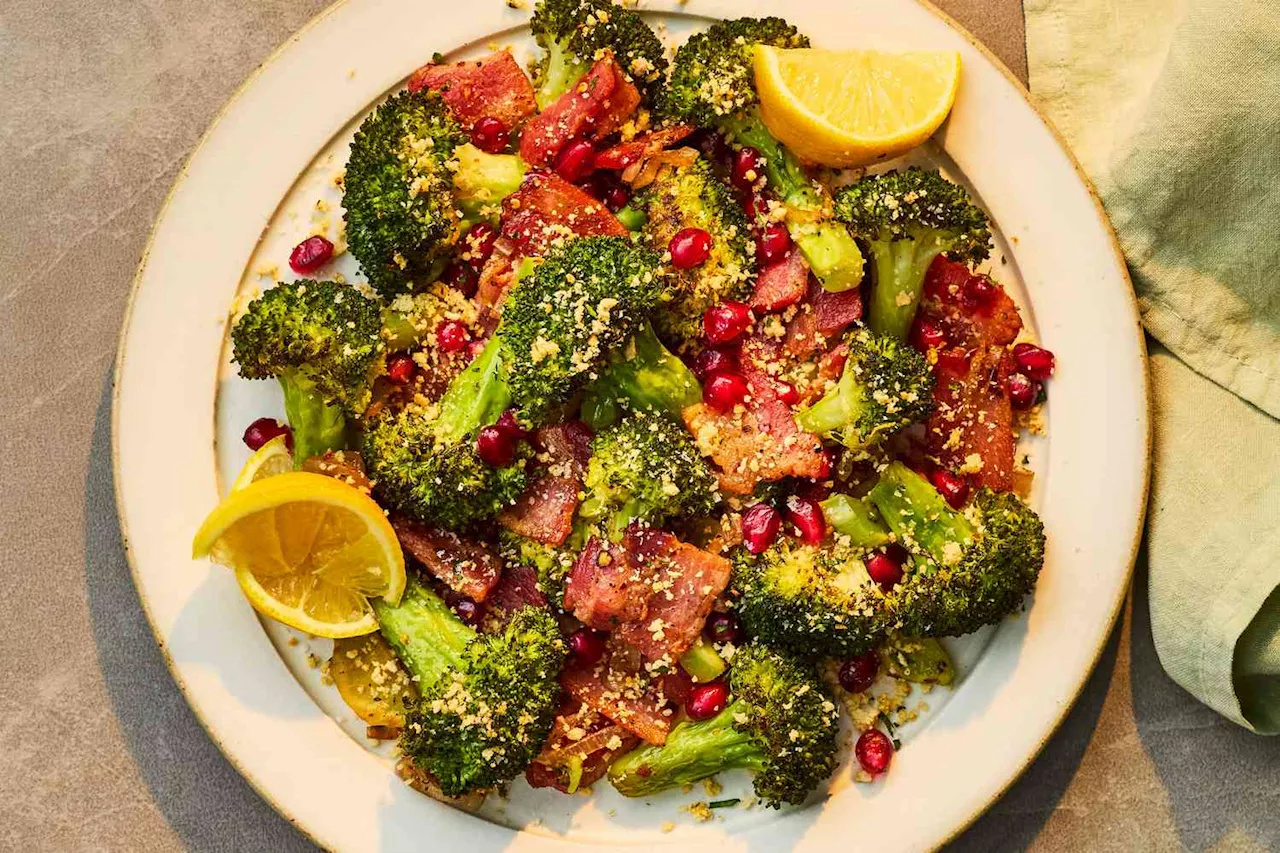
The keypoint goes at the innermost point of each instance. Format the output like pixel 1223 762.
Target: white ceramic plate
pixel 250 192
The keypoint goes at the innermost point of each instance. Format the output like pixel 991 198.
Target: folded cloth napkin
pixel 1173 108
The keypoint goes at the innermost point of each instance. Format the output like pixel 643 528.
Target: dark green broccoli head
pixel 574 33
pixel 886 385
pixel 646 468
pixel 559 323
pixel 810 599
pixel 326 333
pixel 435 479
pixel 914 204
pixel 711 75
pixel 693 197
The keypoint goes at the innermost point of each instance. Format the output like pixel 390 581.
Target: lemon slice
pixel 854 107
pixel 308 551
pixel 270 459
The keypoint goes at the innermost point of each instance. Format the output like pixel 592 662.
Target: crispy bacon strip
pixel 624 154
pixel 494 86
pixel 465 567
pixel 548 208
pixel 595 107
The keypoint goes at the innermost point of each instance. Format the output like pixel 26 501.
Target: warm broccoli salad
pixel 687 442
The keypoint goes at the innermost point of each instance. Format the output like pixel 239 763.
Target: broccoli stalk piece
pixel 642 376
pixel 322 341
pixel 781 725
pixel 573 32
pixel 974 567
pixel 647 469
pixel 712 84
pixel 410 171
pixel 857 519
pixel 908 218
pixel 885 385
pixel 487 701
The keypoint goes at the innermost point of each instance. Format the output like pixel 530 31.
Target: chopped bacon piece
pixel 971 430
pixel 545 511
pixel 547 208
pixel 995 322
pixel 465 567
pixel 595 107
pixel 567 446
pixel 494 86
pixel 604 589
pixel 517 588
pixel 624 154
pixel 580 735
pixel 781 284
pixel 758 444
pixel 822 316
pixel 344 465
pixel 620 689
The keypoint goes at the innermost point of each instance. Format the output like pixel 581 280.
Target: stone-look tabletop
pixel 100 104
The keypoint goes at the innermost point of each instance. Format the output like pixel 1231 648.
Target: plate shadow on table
pixel 204 799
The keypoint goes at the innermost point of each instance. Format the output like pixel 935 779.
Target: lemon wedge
pixel 307 550
pixel 854 107
pixel 270 459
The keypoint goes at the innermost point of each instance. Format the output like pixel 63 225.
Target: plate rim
pixel 1146 426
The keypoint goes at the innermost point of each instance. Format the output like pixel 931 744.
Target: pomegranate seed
pixel 828 465
pixel 480 242
pixel 806 515
pixel 400 369
pixel 760 526
pixel 452 336
pixel 689 248
pixel 712 361
pixel 724 628
pixel 490 134
pixel 755 205
pixel 707 700
pixel 508 423
pixel 710 143
pixel 952 487
pixel 725 322
pixel 814 489
pixel 586 646
pixel 263 430
pixel 773 243
pixel 576 161
pixel 461 277
pixel 874 751
pixel 467 610
pixel 885 568
pixel 311 254
pixel 723 391
pixel 787 393
pixel 978 291
pixel 1023 392
pixel 929 336
pixel 496 448
pixel 615 198
pixel 857 674
pixel 748 168
pixel 1034 361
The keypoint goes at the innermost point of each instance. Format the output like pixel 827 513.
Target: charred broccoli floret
pixel 322 341
pixel 572 34
pixel 646 468
pixel 410 174
pixel 885 385
pixel 487 701
pixel 908 218
pixel 781 725
pixel 712 84
pixel 641 376
pixel 551 563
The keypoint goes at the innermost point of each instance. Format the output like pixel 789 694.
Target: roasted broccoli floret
pixel 712 84
pixel 908 218
pixel 572 33
pixel 885 385
pixel 781 725
pixel 646 468
pixel 410 174
pixel 322 341
pixel 487 701
pixel 551 563
pixel 974 568
pixel 693 197
pixel 641 376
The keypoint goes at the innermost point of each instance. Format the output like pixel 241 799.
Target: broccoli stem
pixel 483 180
pixel 632 218
pixel 830 249
pixel 900 270
pixel 693 751
pixel 317 426
pixel 841 406
pixel 562 70
pixel 426 635
pixel 477 396
pixel 703 662
pixel 856 519
pixel 918 514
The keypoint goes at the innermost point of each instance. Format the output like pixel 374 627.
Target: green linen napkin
pixel 1173 107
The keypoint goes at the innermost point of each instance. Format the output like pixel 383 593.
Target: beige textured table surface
pixel 100 104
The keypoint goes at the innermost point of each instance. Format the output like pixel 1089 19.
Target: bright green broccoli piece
pixel 646 468
pixel 322 341
pixel 885 385
pixel 572 33
pixel 487 701
pixel 974 568
pixel 908 218
pixel 712 84
pixel 922 660
pixel 857 519
pixel 781 725
pixel 642 376
pixel 410 172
